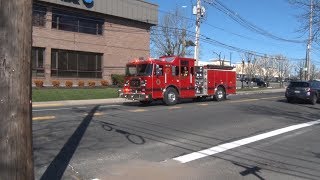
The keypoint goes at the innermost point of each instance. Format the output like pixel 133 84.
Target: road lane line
pixel 43 118
pixel 47 105
pixel 227 146
pixel 204 104
pixel 96 114
pixel 248 100
pixel 105 106
pixel 245 100
pixel 58 109
pixel 138 110
pixel 273 97
pixel 175 107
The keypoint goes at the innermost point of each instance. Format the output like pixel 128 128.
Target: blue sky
pixel 275 16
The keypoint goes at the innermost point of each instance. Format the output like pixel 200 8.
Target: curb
pixel 115 101
pixel 261 91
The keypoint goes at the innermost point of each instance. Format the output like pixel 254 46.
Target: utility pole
pixel 198 18
pixel 242 73
pixel 16 161
pixel 308 59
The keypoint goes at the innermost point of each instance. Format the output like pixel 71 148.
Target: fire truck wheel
pixel 220 94
pixel 170 96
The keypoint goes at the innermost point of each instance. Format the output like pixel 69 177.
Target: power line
pixel 204 38
pixel 208 40
pixel 243 22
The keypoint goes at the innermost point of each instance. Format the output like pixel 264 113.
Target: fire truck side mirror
pixel 158 70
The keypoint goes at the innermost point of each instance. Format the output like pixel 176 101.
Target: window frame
pixel 39 14
pixel 67 72
pixel 76 20
pixel 37 70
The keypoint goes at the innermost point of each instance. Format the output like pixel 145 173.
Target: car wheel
pixel 220 94
pixel 170 96
pixel 314 99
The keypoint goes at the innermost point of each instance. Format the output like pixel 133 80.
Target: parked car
pixel 303 90
pixel 259 82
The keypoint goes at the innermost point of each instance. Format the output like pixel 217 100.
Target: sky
pixel 277 17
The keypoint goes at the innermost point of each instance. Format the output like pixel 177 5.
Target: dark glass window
pixel 175 70
pixel 39 15
pixel 76 22
pixel 66 63
pixel 37 61
pixel 299 84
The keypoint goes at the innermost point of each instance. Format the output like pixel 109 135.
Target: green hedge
pixel 117 79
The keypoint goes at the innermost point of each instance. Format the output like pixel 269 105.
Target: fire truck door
pixel 158 81
pixel 186 80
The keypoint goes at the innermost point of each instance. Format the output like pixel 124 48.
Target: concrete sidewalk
pixel 121 100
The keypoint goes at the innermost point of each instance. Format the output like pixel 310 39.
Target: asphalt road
pixel 257 136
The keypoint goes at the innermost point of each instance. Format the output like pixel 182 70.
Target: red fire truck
pixel 171 78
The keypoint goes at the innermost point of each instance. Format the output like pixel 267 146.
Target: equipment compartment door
pixel 187 79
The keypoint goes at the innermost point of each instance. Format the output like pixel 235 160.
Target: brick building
pixel 89 39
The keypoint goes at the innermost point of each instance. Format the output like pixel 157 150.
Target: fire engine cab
pixel 171 78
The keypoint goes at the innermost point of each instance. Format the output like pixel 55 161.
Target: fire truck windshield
pixel 139 70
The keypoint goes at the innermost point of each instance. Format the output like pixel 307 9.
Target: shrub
pixel 38 83
pixel 92 84
pixel 56 83
pixel 69 84
pixel 117 79
pixel 104 83
pixel 81 83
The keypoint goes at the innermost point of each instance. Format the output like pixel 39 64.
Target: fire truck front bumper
pixel 135 96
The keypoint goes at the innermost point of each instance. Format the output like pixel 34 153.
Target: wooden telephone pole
pixel 16 161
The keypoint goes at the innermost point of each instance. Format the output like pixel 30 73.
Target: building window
pixel 39 15
pixel 75 64
pixel 75 22
pixel 37 62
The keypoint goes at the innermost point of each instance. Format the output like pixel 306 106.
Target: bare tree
pixel 298 70
pixel 305 16
pixel 314 72
pixel 265 68
pixel 284 68
pixel 251 68
pixel 171 36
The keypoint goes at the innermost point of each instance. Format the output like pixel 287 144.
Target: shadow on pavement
pixel 133 138
pixel 250 170
pixel 60 163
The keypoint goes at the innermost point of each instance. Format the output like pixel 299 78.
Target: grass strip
pixel 56 94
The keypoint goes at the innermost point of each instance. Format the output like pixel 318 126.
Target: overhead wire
pixel 204 38
pixel 245 23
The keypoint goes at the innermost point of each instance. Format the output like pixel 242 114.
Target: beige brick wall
pixel 122 40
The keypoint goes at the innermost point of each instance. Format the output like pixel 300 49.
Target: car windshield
pixel 139 70
pixel 299 84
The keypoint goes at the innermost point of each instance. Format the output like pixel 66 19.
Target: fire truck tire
pixel 220 94
pixel 170 96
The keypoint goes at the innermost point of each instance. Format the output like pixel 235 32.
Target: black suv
pixel 259 82
pixel 303 90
